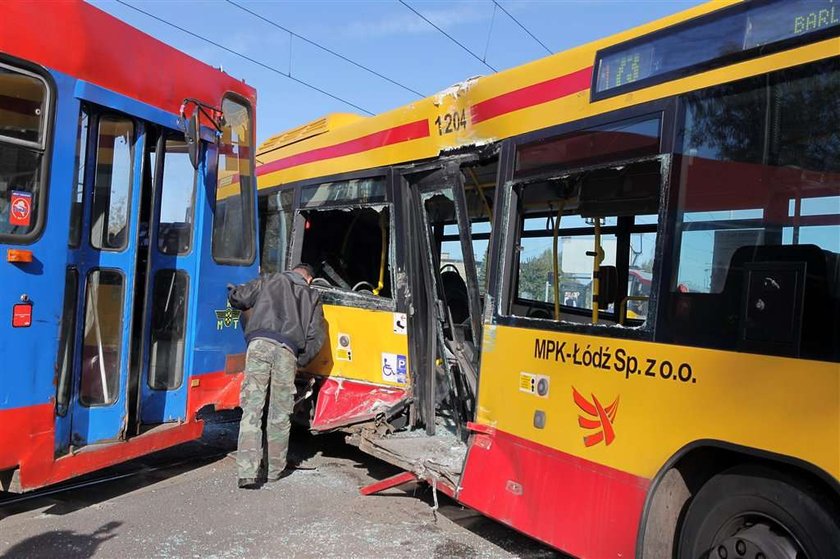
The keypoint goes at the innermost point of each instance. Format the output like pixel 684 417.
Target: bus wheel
pixel 757 513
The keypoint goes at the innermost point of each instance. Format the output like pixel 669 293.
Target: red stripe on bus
pixel 395 135
pixel 585 508
pixel 532 95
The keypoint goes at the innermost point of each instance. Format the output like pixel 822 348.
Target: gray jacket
pixel 282 307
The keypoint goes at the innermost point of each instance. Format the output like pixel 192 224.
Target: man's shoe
pixel 291 466
pixel 248 483
pixel 276 477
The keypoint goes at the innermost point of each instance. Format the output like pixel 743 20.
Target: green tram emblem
pixel 227 318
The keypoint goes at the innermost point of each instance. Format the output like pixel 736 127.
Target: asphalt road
pixel 185 503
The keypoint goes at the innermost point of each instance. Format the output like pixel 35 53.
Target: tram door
pixel 130 293
pixel 172 259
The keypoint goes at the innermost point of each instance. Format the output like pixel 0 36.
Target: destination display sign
pixel 706 42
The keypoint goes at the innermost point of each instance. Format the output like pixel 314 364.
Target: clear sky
pixel 383 35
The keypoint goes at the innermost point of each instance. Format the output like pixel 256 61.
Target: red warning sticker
pixel 21 208
pixel 22 315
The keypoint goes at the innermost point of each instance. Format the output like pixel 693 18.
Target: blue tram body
pixel 115 243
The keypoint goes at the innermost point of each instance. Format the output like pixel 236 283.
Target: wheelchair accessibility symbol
pixel 394 367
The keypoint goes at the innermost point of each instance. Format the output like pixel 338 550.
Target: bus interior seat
pixel 607 286
pixel 455 291
pixel 816 321
pixel 719 319
pixel 716 319
pixel 696 319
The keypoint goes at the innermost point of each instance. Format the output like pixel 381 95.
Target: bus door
pixel 447 276
pixel 104 259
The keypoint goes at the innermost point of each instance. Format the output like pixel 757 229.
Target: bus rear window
pixel 23 104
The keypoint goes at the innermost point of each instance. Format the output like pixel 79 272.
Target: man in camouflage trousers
pixel 284 330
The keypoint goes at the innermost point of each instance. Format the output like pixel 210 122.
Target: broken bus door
pixel 344 229
pixel 446 290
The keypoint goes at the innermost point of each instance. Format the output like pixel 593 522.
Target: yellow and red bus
pixel 596 296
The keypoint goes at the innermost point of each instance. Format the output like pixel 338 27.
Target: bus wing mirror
pixel 192 135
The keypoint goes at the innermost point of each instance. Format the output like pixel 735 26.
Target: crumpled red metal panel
pixel 344 402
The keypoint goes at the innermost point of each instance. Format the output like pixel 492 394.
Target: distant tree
pixel 534 272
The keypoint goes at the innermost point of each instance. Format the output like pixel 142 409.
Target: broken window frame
pixel 500 273
pixel 452 181
pixel 513 233
pixel 334 295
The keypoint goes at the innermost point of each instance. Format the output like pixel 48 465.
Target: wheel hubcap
pixel 756 541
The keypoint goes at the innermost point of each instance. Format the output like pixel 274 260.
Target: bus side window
pixel 350 248
pixel 345 234
pixel 586 245
pixel 759 187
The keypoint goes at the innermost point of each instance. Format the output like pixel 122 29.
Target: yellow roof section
pixel 322 125
pixel 533 96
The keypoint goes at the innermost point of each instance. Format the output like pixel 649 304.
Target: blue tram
pixel 127 203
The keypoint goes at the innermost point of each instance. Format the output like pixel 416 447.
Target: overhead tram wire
pixel 525 29
pixel 249 59
pixel 450 37
pixel 489 35
pixel 325 49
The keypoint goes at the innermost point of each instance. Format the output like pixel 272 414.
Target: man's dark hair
pixel 305 268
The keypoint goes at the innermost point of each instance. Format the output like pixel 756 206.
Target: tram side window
pixel 79 186
pixel 102 338
pixel 276 217
pixel 67 341
pixel 112 183
pixel 24 101
pixel 760 198
pixel 607 211
pixel 233 219
pixel 177 200
pixel 168 328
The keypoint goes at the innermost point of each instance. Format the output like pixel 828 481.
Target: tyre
pixel 758 513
